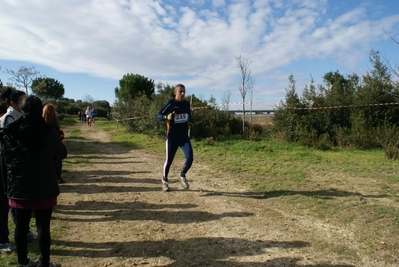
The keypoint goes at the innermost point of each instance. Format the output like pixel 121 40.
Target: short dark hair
pixel 179 86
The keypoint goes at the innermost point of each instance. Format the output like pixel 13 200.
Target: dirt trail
pixel 115 214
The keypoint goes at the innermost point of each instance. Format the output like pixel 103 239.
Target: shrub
pixel 254 132
pixel 209 141
pixel 391 151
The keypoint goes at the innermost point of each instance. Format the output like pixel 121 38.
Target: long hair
pixel 49 114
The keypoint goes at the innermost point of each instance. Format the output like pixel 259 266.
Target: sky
pixel 89 45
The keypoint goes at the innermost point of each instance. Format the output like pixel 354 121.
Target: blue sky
pixel 89 45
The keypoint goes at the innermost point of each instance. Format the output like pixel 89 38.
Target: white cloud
pixel 196 42
pixel 218 3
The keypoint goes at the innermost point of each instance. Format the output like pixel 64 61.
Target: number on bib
pixel 181 118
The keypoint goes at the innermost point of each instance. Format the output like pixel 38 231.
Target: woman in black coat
pixel 30 146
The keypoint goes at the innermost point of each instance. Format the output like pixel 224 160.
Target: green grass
pixel 119 135
pixel 278 165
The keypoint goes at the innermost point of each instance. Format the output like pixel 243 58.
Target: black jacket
pixel 178 128
pixel 29 147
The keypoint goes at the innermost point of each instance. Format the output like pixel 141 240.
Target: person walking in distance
pixel 177 114
pixel 89 115
pixel 30 146
pixel 93 115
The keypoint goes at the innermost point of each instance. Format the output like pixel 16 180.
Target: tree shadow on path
pixel 208 251
pixel 324 194
pixel 95 211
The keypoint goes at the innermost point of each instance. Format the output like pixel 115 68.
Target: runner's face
pixel 179 94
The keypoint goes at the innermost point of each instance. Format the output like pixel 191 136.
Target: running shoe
pixel 7 248
pixel 183 180
pixel 165 185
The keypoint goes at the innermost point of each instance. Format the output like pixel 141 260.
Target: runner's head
pixel 180 92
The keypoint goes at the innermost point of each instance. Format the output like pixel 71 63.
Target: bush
pixel 322 143
pixel 72 109
pixel 391 151
pixel 209 141
pixel 254 132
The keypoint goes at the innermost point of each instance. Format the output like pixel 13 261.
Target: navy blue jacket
pixel 178 128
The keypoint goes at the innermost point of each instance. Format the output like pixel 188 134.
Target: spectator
pixel 109 114
pixel 14 99
pixel 82 116
pixel 5 245
pixel 29 147
pixel 50 116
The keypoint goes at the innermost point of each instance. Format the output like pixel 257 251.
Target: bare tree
pixel 251 96
pixel 88 99
pixel 394 68
pixel 243 65
pixel 226 98
pixel 23 77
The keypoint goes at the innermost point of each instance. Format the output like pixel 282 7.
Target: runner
pixel 177 114
pixel 89 115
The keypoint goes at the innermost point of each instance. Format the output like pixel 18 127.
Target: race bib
pixel 181 118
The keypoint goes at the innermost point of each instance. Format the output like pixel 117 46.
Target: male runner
pixel 177 114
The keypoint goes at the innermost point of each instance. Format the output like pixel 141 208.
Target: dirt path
pixel 115 214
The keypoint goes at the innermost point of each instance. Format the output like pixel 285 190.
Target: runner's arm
pixel 164 111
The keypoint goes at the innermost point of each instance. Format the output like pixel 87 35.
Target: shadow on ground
pixel 190 252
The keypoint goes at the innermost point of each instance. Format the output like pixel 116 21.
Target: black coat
pixel 29 148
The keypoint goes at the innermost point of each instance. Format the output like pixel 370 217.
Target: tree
pixel 48 88
pixel 226 98
pixel 166 90
pixel 245 82
pixel 134 85
pixel 23 77
pixel 377 88
pixel 251 97
pixel 102 103
pixel 340 92
pixel 288 115
pixel 88 99
pixel 395 68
